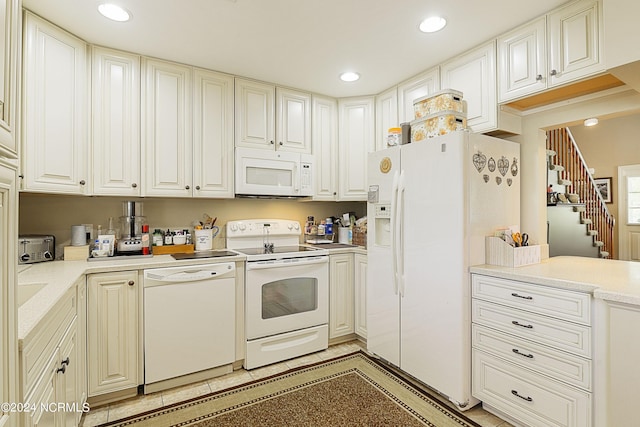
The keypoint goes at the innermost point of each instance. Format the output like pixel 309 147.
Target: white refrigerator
pixel 430 206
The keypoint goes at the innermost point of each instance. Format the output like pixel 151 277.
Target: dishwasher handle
pixel 183 276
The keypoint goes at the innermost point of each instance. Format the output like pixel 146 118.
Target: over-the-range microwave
pixel 273 173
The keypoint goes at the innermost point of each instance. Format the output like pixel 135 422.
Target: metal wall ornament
pixel 509 182
pixel 485 177
pixel 491 164
pixel 503 165
pixel 479 161
pixel 514 167
pixel 498 180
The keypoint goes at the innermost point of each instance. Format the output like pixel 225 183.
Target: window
pixel 633 200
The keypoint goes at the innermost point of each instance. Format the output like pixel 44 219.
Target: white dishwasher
pixel 189 321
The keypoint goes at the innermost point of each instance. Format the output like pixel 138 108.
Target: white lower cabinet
pixel 360 293
pixel 52 366
pixel 113 354
pixel 532 352
pixel 341 303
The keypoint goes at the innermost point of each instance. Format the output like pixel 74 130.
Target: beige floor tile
pixel 339 350
pixel 95 417
pixel 269 370
pixel 230 380
pixel 134 406
pixel 309 359
pixel 186 392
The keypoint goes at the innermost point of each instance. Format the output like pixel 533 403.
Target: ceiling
pixel 303 44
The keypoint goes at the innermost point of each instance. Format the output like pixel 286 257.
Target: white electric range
pixel 286 290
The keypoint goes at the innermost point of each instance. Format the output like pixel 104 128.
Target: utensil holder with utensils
pixel 499 252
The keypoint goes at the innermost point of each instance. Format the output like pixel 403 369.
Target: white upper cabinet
pixel 9 67
pixel 474 74
pixel 355 142
pixel 166 129
pixel 561 47
pixel 416 87
pixel 55 155
pixel 212 134
pixel 575 41
pixel 116 122
pixel 325 148
pixel 386 115
pixel 255 115
pixel 293 112
pixel 256 108
pixel 522 61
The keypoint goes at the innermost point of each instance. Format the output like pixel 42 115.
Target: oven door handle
pixel 260 265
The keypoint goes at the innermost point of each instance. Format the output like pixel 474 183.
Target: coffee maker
pixel 131 221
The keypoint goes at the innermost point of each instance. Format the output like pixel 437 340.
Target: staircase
pixel 569 177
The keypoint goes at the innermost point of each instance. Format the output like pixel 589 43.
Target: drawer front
pixel 532 399
pixel 555 333
pixel 559 303
pixel 42 341
pixel 555 364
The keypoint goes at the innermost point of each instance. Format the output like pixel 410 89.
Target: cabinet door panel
pixel 341 320
pixel 294 121
pixel 167 155
pixel 575 41
pixel 412 89
pixel 521 61
pixel 116 123
pixel 355 142
pixel 325 143
pixel 10 14
pixel 254 106
pixel 55 94
pixel 386 116
pixel 112 332
pixel 474 74
pixel 213 134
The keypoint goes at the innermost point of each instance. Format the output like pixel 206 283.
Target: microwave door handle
pixel 296 178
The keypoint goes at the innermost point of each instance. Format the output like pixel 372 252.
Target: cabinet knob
pixel 281 143
pixel 134 185
pixel 65 361
pixel 197 187
pixel 131 283
pixel 271 142
pixel 539 77
pixel 82 182
pixel 335 193
pixel 553 72
pixel 186 187
pixel 62 369
pixel 21 176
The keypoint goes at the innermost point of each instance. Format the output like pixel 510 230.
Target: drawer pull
pixel 515 393
pixel 516 351
pixel 521 296
pixel 515 322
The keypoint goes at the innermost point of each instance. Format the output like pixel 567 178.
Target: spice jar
pixel 394 137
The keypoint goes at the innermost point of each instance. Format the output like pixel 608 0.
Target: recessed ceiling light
pixel 591 122
pixel 114 12
pixel 432 24
pixel 349 76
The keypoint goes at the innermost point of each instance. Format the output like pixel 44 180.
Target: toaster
pixel 36 248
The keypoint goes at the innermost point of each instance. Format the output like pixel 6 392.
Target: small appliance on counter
pixel 131 223
pixel 36 248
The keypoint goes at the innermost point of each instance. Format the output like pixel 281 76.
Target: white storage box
pixel 499 252
pixel 437 124
pixel 444 100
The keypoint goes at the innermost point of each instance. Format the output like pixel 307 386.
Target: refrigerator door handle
pixel 400 233
pixel 394 230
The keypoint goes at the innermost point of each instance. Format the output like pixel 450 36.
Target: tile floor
pixel 142 403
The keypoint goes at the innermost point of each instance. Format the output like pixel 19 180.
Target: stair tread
pixel 604 254
pixel 557 168
pixel 551 153
pixel 598 243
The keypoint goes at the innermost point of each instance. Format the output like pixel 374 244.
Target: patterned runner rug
pixel 352 390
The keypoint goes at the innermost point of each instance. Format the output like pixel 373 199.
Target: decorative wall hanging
pixel 492 164
pixel 514 167
pixel 498 180
pixel 479 161
pixel 509 182
pixel 485 177
pixel 503 165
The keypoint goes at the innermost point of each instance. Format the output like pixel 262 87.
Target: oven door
pixel 286 295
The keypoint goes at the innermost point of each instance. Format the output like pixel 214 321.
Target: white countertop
pixel 61 275
pixel 610 280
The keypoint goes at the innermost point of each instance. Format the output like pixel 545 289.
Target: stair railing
pixel 575 170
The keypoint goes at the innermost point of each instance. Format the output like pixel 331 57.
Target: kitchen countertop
pixel 609 280
pixel 61 275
